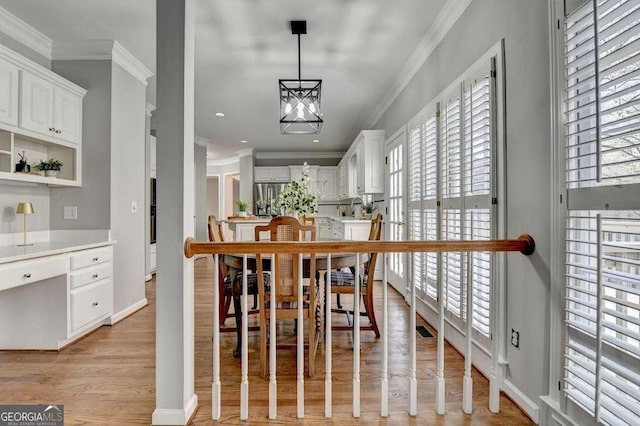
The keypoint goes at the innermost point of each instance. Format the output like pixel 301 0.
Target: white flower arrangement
pixel 298 196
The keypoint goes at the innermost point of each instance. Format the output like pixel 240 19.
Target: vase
pixel 51 173
pixel 242 214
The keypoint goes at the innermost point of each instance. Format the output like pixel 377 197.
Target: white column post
pixel 300 341
pixel 215 386
pixel 244 380
pixel 413 381
pixel 273 384
pixel 467 382
pixel 175 397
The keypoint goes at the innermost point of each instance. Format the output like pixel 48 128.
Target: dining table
pixel 235 265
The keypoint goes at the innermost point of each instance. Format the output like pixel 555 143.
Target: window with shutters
pixel 602 230
pixel 451 184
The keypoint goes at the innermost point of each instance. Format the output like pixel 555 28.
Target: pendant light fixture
pixel 300 99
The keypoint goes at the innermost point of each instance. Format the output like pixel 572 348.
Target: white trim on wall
pixel 295 155
pixel 102 50
pixel 25 34
pixel 150 109
pixel 445 20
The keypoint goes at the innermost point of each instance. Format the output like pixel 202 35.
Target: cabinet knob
pixel 95 276
pixel 51 129
pixel 58 131
pixel 27 275
pixel 95 304
pixel 95 259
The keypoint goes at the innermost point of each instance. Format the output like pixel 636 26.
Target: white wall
pixel 213 203
pixel 524 26
pixel 200 154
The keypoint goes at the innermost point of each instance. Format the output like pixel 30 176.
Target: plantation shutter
pixel 430 200
pixel 415 202
pixel 602 264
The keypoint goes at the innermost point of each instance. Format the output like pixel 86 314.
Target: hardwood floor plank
pixel 108 378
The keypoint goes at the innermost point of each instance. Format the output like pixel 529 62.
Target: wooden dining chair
pixel 231 291
pixel 343 282
pixel 284 287
pixel 306 219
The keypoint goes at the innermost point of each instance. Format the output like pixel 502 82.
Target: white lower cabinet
pixel 91 303
pixel 49 301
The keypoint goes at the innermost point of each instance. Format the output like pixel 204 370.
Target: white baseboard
pixel 527 405
pixel 175 416
pixel 119 316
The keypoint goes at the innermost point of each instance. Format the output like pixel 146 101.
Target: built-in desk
pixel 55 291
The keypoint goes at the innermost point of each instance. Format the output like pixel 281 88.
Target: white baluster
pixel 384 377
pixel 215 386
pixel 467 382
pixel 244 383
pixel 356 340
pixel 273 385
pixel 413 382
pixel 328 396
pixel 440 382
pixel 300 363
pixel 497 309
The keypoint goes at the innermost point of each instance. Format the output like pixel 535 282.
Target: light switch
pixel 71 212
pixel 134 207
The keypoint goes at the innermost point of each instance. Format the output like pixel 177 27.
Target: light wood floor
pixel 108 378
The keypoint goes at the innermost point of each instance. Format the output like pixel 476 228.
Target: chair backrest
pixel 216 235
pixel 374 235
pixel 308 220
pixel 285 279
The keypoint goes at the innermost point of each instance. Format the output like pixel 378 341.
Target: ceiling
pixel 357 47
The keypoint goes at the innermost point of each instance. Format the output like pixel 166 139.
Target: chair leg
pixel 368 307
pixel 263 345
pixel 225 311
pixel 338 304
pixel 238 314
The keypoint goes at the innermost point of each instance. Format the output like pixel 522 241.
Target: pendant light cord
pixel 299 73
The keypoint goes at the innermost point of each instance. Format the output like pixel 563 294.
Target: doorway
pixel 395 229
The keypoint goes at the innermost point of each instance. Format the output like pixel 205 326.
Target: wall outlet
pixel 515 338
pixel 134 207
pixel 71 212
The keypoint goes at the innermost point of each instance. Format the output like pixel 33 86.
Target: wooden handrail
pixel 525 244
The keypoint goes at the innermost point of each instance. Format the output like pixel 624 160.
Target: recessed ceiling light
pixel 244 141
pixel 219 114
pixel 316 141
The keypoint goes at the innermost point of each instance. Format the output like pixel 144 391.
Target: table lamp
pixel 25 209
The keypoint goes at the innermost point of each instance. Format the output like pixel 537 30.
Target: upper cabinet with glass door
pixel 40 119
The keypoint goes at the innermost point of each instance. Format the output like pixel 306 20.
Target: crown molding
pixel 202 141
pixel 245 152
pixel 224 162
pixel 296 155
pixel 445 20
pixel 150 109
pixel 102 50
pixel 25 34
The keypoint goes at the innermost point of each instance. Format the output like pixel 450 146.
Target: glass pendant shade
pixel 300 107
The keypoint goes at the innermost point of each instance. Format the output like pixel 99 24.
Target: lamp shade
pixel 25 208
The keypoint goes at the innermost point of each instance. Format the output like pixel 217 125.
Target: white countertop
pixel 14 253
pixel 344 219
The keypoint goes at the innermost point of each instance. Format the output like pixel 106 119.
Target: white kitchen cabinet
pixel 370 162
pixel 152 258
pixel 342 179
pixel 328 183
pixel 67 115
pixel 55 295
pixel 50 110
pixel 40 116
pixel 271 174
pixel 296 174
pixel 9 75
pixel 36 104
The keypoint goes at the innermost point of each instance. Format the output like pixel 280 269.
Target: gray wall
pixel 200 158
pixel 524 26
pixel 128 118
pixel 147 194
pixel 213 191
pixel 92 198
pixel 11 195
pixel 246 180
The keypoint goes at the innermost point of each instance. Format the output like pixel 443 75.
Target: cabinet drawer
pixel 90 275
pixel 29 271
pixel 90 257
pixel 90 303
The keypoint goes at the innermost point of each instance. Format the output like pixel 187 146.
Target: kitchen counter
pixel 60 242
